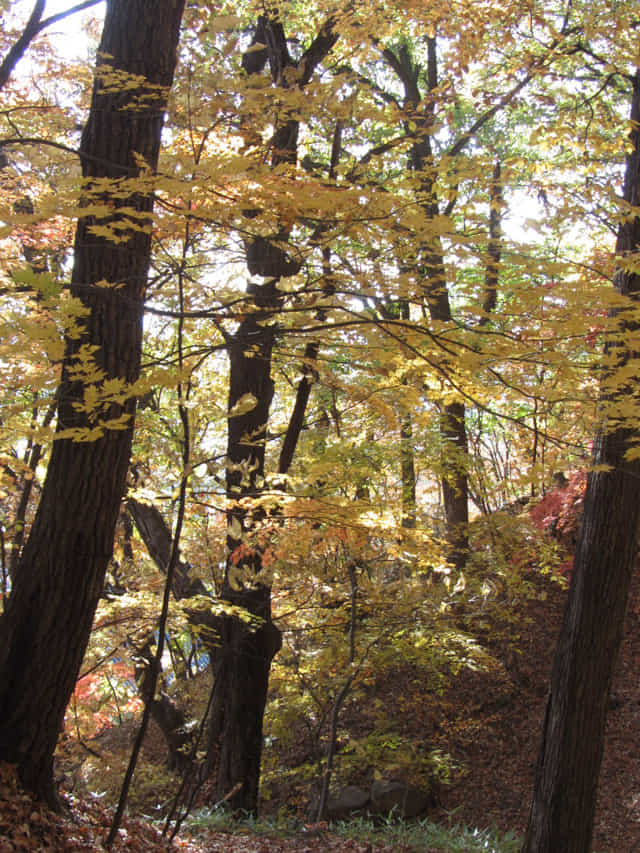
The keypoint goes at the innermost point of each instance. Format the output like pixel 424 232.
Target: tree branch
pixel 34 26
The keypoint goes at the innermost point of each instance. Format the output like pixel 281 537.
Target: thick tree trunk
pixel 564 800
pixel 241 682
pixel 45 630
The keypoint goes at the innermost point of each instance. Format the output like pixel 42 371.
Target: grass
pixel 395 833
pixel 426 835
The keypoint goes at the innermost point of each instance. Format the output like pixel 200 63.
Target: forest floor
pixel 488 727
pixel 495 734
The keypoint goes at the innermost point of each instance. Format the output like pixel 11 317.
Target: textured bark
pixel 564 800
pixel 45 629
pixel 455 483
pixel 241 681
pixel 243 659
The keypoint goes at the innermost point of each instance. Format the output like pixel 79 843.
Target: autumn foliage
pixel 374 253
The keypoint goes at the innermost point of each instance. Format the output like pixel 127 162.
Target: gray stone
pixel 398 798
pixel 348 801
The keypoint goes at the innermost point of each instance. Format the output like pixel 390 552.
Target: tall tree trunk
pixel 409 511
pixel 407 474
pixel 455 483
pixel 429 262
pixel 248 645
pixel 454 448
pixel 46 627
pixel 564 799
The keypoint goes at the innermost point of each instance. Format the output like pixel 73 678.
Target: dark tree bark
pixel 455 482
pixel 243 659
pixel 409 510
pixel 165 712
pixel 45 629
pixel 312 349
pixel 429 264
pixel 407 474
pixel 564 799
pixel 494 247
pixel 296 421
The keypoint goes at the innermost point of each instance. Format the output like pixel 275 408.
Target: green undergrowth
pixel 426 835
pixel 419 835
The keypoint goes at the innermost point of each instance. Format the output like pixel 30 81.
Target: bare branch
pixel 34 26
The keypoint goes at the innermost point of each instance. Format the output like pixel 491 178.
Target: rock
pixel 398 798
pixel 349 801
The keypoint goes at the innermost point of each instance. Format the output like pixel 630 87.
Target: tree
pixel 328 219
pixel 35 25
pixel 564 799
pixel 249 643
pixel 47 622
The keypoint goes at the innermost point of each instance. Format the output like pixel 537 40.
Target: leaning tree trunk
pixel 46 626
pixel 166 713
pixel 564 800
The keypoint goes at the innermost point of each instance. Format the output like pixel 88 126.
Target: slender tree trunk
pixel 494 246
pixel 429 263
pixel 408 474
pixel 165 712
pixel 409 508
pixel 46 627
pixel 35 25
pixel 20 520
pixel 564 799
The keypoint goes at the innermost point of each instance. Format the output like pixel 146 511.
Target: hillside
pixel 487 728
